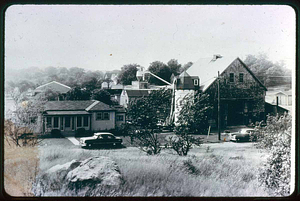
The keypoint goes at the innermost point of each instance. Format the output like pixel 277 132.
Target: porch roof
pixel 67 112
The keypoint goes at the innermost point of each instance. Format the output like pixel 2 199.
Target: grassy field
pixel 215 169
pixel 21 165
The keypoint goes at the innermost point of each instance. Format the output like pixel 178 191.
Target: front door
pixel 67 123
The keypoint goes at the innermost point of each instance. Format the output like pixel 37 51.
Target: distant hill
pixel 32 77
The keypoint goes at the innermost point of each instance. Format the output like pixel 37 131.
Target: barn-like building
pixel 242 95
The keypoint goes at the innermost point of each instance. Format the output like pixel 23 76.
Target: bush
pixel 80 132
pixel 121 130
pixel 183 141
pixel 276 138
pixel 147 141
pixel 56 133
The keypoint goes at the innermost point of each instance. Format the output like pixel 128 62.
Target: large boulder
pixel 65 167
pixel 79 178
pixel 97 169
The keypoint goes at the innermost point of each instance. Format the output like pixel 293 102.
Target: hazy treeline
pixel 270 73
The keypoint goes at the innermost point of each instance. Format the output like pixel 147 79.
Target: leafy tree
pixel 24 119
pixel 25 85
pixel 276 139
pixel 148 111
pixel 102 95
pixel 161 70
pixel 128 74
pixel 174 66
pixel 145 114
pixel 78 94
pixel 194 112
pixel 91 84
pixel 192 118
pixel 76 72
pixel 269 73
pixel 51 95
pixel 50 71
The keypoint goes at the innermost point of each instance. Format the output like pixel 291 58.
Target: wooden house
pixel 242 95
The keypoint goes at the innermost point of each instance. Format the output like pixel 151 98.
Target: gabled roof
pixel 89 105
pixel 67 105
pixel 101 106
pixel 54 86
pixel 137 93
pixel 185 81
pixel 207 69
pixel 287 93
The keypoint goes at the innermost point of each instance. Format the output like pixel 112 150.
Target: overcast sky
pixel 108 37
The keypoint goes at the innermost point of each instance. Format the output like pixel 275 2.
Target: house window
pixel 99 116
pixel 196 82
pixel 231 77
pixel 105 116
pixel 85 121
pixel 55 124
pixel 241 77
pixel 79 123
pixel 120 118
pixel 49 122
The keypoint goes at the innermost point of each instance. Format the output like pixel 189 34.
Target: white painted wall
pixel 179 95
pixel 124 98
pixel 101 125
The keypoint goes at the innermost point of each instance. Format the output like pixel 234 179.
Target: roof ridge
pixel 184 73
pixel 53 82
pixel 62 84
pixel 92 105
pixel 250 71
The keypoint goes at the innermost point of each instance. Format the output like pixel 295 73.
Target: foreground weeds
pixel 199 174
pixel 21 165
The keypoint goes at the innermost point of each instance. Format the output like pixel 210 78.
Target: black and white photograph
pixel 149 100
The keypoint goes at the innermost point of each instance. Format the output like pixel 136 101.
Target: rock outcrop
pixel 79 178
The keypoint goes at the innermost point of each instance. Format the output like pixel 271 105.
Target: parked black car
pixel 101 139
pixel 245 134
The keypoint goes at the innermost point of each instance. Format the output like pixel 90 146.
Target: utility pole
pixel 219 118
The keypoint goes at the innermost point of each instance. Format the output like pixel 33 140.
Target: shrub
pixel 147 141
pixel 183 142
pixel 80 132
pixel 121 130
pixel 276 139
pixel 55 133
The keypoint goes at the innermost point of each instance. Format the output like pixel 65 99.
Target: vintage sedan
pixel 245 134
pixel 100 139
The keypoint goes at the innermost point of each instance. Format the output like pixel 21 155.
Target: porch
pixel 67 122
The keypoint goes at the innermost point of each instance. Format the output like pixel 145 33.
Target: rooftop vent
pixel 216 56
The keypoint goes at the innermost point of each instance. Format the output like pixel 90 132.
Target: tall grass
pixel 20 169
pixel 199 174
